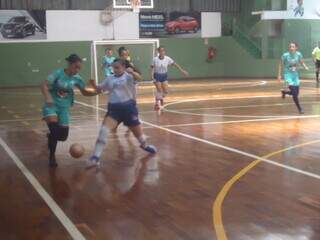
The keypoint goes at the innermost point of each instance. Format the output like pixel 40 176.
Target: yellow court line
pixel 217 206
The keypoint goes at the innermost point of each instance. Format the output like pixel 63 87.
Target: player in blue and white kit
pixel 159 74
pixel 122 108
pixel 289 63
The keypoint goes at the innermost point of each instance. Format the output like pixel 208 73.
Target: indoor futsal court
pixel 160 120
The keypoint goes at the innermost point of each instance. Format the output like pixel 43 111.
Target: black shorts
pixel 317 63
pixel 126 113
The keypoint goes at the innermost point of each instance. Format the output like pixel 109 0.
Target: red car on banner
pixel 183 24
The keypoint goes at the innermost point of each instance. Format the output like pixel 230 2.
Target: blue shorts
pixel 160 77
pixel 126 113
pixel 63 114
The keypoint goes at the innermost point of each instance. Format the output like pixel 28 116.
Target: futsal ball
pixel 76 150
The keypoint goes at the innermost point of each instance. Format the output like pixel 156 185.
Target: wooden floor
pixel 235 162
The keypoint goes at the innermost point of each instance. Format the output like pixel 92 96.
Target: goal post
pixel 141 54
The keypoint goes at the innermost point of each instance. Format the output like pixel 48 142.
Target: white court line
pixel 218 97
pixel 230 149
pixel 241 121
pixel 246 106
pixel 64 220
pixel 216 115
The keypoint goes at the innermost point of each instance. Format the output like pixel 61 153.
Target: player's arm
pixel 304 64
pixel 280 70
pixel 88 91
pixel 152 72
pixel 45 92
pixel 184 72
pixel 136 76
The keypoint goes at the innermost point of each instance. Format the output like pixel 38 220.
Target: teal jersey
pixel 107 65
pixel 61 87
pixel 291 63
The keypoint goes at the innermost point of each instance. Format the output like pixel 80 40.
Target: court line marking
pixel 39 119
pixel 217 206
pixel 241 121
pixel 62 217
pixel 230 149
pixel 218 97
pixel 244 106
pixel 213 115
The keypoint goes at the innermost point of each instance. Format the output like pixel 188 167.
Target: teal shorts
pixel 292 79
pixel 63 114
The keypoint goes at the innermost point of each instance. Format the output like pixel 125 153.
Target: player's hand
pixel 185 73
pixel 49 103
pixel 130 70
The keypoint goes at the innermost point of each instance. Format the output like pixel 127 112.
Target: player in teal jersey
pixel 107 61
pixel 59 97
pixel 289 66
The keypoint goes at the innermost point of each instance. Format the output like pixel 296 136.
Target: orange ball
pixel 76 150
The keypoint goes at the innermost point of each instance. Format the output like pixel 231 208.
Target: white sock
pixel 101 141
pixel 142 141
pixel 164 94
pixel 158 96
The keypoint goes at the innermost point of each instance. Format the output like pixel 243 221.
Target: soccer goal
pixel 141 53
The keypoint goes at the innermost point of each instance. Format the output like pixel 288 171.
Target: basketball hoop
pixel 136 4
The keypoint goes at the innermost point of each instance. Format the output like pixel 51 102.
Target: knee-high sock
pixel 295 96
pixel 53 137
pixel 57 133
pixel 164 94
pixel 63 134
pixel 101 141
pixel 158 96
pixel 317 75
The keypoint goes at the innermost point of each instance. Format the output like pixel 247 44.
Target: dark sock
pixel 296 101
pixel 63 134
pixel 53 137
pixel 317 76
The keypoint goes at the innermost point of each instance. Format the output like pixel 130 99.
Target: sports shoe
pixel 93 162
pixel 283 92
pixel 150 149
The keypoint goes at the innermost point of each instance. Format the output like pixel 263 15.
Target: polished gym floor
pixel 235 162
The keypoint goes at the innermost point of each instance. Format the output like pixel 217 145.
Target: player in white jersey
pixel 159 74
pixel 122 108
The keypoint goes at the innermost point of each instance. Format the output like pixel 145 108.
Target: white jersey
pixel 121 88
pixel 161 65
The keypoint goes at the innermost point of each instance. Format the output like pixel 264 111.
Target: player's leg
pixel 295 96
pixel 131 119
pixel 108 125
pixel 158 95
pixel 138 133
pixel 165 90
pixel 58 125
pixel 317 71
